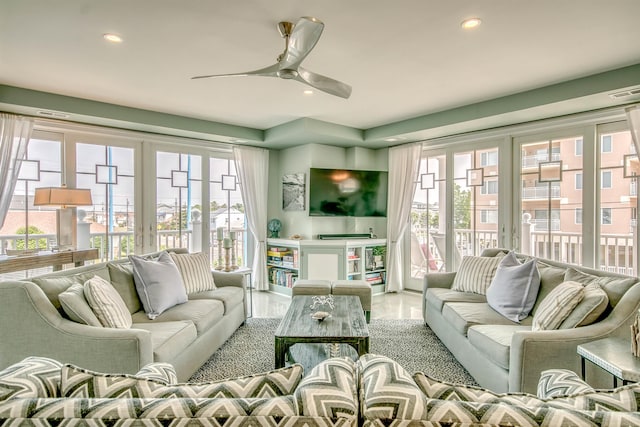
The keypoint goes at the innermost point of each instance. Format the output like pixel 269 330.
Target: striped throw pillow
pixel 195 271
pixel 557 306
pixel 475 274
pixel 107 304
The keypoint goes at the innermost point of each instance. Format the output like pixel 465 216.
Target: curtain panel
pixel 15 132
pixel 252 166
pixel 633 118
pixel 404 163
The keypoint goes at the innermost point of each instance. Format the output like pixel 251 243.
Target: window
pixel 578 216
pixel 606 179
pixel 605 218
pixel 490 187
pixel 607 144
pixel 578 146
pixel 488 216
pixel 489 158
pixel 578 181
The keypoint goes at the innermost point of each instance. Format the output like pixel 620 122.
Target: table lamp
pixel 66 198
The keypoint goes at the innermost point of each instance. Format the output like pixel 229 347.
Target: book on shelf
pixel 277 254
pixel 283 278
pixel 374 278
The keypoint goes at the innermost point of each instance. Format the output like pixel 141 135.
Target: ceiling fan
pixel 299 40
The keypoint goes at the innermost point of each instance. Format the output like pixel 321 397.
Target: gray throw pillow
pixel 514 288
pixel 159 283
pixel 593 304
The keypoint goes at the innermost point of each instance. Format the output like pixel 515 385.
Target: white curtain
pixel 404 162
pixel 252 166
pixel 15 132
pixel 633 117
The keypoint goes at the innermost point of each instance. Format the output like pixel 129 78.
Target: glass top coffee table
pixel 346 325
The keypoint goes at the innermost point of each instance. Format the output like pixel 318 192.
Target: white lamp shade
pixel 62 196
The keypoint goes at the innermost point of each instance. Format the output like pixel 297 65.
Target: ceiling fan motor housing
pixel 287 73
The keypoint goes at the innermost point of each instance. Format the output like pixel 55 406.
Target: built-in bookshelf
pixel 288 260
pixel 282 267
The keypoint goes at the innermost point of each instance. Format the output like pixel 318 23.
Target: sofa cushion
pixel 169 339
pixel 593 304
pixel 615 287
pixel 494 341
pixel 437 297
pixel 31 378
pixel 557 306
pixel 158 282
pixel 195 270
pixel 203 313
pixel 550 277
pixel 230 296
pixel 329 390
pixel 561 382
pixel 54 285
pixel 387 390
pixel 475 274
pixel 158 371
pixel 122 279
pixel 83 383
pixel 107 304
pixel 75 306
pixel 514 288
pixel 462 315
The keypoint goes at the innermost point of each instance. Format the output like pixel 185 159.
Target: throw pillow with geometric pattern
pixel 560 382
pixel 78 382
pixel 31 378
pixel 329 390
pixel 387 390
pixel 624 399
pixel 158 371
pixel 434 389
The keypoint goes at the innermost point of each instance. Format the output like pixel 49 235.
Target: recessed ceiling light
pixel 470 23
pixel 391 139
pixel 113 38
pixel 308 92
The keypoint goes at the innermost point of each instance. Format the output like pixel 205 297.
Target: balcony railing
pixel 616 249
pixel 121 244
pixel 532 161
pixel 530 193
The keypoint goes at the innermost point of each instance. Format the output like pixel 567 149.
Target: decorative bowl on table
pixel 320 315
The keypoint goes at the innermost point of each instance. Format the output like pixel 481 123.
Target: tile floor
pixel 401 305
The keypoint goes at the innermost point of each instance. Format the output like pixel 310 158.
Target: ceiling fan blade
pixel 270 71
pixel 303 38
pixel 323 83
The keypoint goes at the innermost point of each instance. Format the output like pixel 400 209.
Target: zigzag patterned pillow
pixel 561 382
pixel 82 383
pixel 32 377
pixel 159 371
pixel 387 390
pixel 623 399
pixel 329 390
pixel 434 389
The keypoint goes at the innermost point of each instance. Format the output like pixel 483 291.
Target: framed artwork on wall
pixel 293 192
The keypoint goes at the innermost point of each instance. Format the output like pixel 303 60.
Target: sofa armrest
pixel 434 280
pixel 31 326
pixel 222 279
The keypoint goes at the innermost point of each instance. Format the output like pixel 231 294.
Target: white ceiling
pixel 404 59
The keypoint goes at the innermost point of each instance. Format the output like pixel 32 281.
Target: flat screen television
pixel 344 192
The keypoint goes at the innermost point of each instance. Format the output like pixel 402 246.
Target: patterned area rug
pixel 409 342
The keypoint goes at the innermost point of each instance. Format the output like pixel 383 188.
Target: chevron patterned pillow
pixel 388 391
pixel 83 383
pixel 560 382
pixel 31 378
pixel 159 371
pixel 329 390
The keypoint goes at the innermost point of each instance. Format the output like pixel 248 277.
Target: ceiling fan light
pixel 308 92
pixel 470 23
